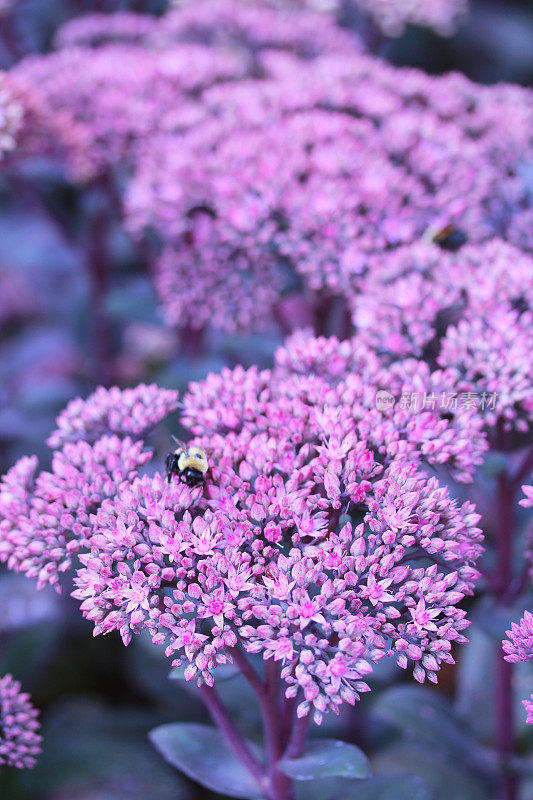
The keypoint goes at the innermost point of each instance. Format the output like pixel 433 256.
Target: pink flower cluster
pixel 123 412
pixel 119 79
pixel 109 99
pixel 30 126
pixel 19 738
pixel 255 26
pixel 11 113
pixel 393 15
pixel 280 178
pixel 519 647
pixel 96 29
pixel 318 541
pixel 46 519
pixel 470 311
pixel 312 181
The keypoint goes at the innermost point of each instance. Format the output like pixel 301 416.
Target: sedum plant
pixel 274 177
pixel 318 545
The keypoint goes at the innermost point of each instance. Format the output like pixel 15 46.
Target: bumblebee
pixel 189 464
pixel 448 238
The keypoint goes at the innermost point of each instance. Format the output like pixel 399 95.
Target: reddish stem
pixel 505 724
pixel 267 692
pixel 523 470
pixel 506 495
pixel 9 40
pixel 504 538
pixel 248 671
pixel 226 725
pixel 100 329
pixel 280 785
pixel 299 734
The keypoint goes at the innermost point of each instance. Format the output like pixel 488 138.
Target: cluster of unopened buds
pixel 519 647
pixel 302 544
pixel 391 16
pixel 19 738
pixel 270 156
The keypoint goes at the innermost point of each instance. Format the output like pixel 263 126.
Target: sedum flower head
pixel 124 412
pixel 468 311
pixel 519 647
pixel 321 176
pixel 117 80
pixel 255 26
pixel 392 16
pixel 318 541
pixel 108 99
pixel 20 742
pixel 45 519
pixel 94 30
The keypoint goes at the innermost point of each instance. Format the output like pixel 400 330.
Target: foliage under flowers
pixel 320 543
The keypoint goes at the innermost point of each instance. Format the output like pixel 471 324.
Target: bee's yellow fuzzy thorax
pixel 194 458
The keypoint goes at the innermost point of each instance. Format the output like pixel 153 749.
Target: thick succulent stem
pixel 505 725
pixel 280 785
pixel 267 691
pixel 506 496
pixel 232 735
pixel 298 738
pixel 100 330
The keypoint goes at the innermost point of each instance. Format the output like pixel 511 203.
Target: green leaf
pixel 387 787
pixel 475 684
pixel 428 718
pixel 94 751
pixel 446 776
pixel 327 758
pixel 28 653
pixel 380 787
pixel 496 620
pixel 202 753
